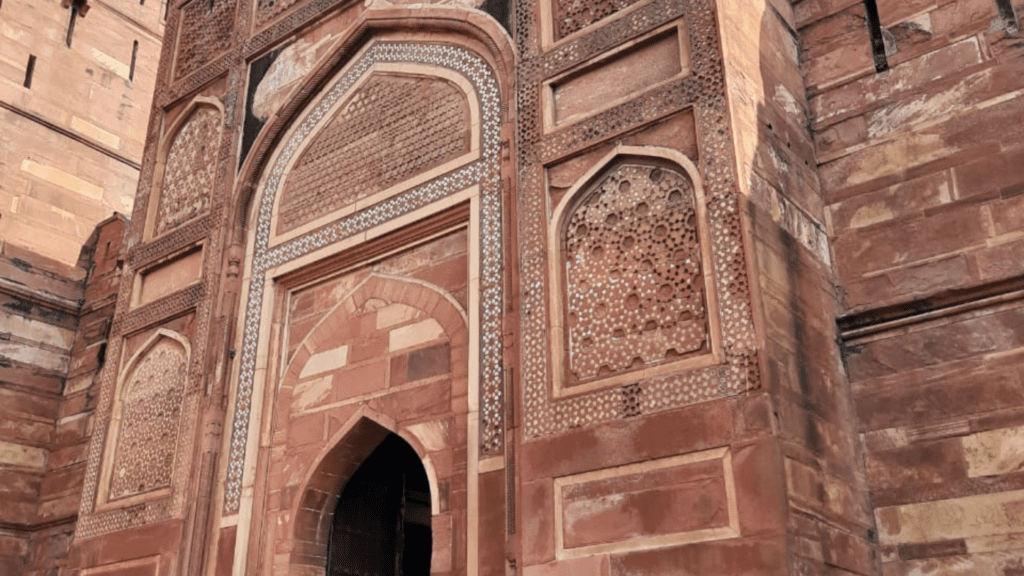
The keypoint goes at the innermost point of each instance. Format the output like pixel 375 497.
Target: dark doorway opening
pixel 381 526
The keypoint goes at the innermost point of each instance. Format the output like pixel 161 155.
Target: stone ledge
pixel 864 323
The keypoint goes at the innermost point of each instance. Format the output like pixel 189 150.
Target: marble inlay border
pixel 484 172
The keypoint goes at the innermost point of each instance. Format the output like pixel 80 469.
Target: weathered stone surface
pixel 70 157
pixel 994 452
pixel 821 190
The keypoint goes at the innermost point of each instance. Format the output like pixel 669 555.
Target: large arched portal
pixel 381 526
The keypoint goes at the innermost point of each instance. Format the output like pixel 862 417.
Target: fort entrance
pixel 381 526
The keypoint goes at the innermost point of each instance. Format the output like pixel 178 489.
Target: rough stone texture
pixel 920 171
pixel 816 267
pixel 50 312
pixel 829 517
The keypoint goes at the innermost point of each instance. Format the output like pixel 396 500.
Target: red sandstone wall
pixel 74 137
pixel 61 491
pixel 766 473
pixel 828 519
pixel 921 170
pixel 392 349
pixel 55 323
pixel 38 322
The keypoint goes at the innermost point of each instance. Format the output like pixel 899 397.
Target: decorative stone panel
pixel 393 128
pixel 392 347
pixel 483 172
pixel 150 417
pixel 189 170
pixel 573 15
pixel 548 407
pixel 668 501
pixel 204 32
pixel 266 10
pixel 634 288
pixel 139 465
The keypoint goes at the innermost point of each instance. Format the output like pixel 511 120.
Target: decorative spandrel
pixel 634 288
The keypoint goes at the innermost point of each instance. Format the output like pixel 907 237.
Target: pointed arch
pixel 192 138
pixel 469 28
pixel 471 45
pixel 326 479
pixel 429 298
pixel 431 113
pixel 146 346
pixel 146 420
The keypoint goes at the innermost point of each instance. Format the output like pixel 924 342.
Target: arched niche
pixel 375 47
pixel 632 290
pixel 327 481
pixel 382 522
pixel 144 435
pixel 184 175
pixel 466 44
pixel 426 355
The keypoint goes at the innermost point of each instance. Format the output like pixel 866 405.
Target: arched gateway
pixel 381 525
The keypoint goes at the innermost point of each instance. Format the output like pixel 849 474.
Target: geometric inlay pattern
pixel 736 368
pixel 188 175
pixel 267 9
pixel 573 15
pixel 484 172
pixel 150 415
pixel 634 289
pixel 204 33
pixel 393 128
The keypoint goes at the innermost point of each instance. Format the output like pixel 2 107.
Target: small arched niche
pixel 382 523
pixel 144 434
pixel 185 172
pixel 632 292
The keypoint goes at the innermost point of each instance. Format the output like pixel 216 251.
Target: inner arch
pixel 382 523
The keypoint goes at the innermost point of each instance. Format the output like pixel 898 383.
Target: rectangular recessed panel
pixel 170 277
pixel 609 81
pixel 688 498
pixel 140 567
pixel 678 499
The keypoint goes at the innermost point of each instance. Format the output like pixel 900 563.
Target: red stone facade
pixel 647 287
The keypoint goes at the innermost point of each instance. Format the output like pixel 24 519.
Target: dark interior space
pixel 381 526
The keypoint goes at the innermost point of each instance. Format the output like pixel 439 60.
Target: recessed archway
pixel 382 523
